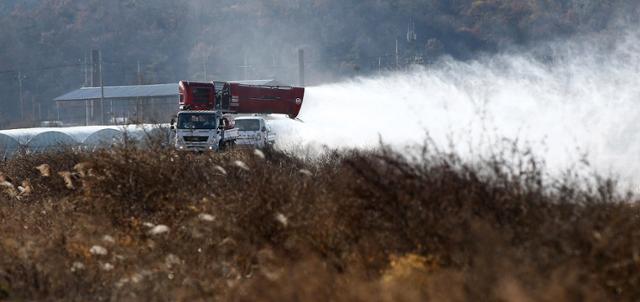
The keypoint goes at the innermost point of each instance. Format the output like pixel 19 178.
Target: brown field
pixel 151 225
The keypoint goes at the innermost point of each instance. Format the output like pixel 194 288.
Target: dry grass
pixel 152 224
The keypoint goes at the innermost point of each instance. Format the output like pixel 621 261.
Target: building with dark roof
pixel 124 104
pixel 120 104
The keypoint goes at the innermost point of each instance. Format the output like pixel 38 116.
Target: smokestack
pixel 301 67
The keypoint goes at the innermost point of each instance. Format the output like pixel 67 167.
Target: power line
pixel 41 68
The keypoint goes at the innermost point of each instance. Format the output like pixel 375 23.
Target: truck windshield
pixel 248 125
pixel 197 121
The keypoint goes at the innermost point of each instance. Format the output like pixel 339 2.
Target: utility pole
pixel 20 95
pixel 33 109
pixel 39 109
pixel 138 106
pixel 301 67
pixel 86 72
pixel 274 67
pixel 101 88
pixel 139 75
pixel 397 56
pixel 204 66
pixel 245 67
pixel 86 113
pixel 95 82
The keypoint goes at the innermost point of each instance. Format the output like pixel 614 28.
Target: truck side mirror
pixel 264 129
pixel 173 122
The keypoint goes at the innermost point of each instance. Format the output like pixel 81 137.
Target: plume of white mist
pixel 564 99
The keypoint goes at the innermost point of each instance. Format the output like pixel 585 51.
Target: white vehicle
pixel 204 131
pixel 253 131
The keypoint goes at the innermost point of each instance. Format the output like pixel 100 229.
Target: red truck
pixel 235 97
pixel 205 120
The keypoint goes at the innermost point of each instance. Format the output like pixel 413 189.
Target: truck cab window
pixel 196 121
pixel 248 125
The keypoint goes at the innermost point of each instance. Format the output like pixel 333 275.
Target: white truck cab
pixel 253 131
pixel 203 131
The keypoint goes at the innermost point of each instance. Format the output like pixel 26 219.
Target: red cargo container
pixel 241 98
pixel 266 99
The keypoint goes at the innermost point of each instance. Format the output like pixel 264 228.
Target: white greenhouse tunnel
pixel 51 139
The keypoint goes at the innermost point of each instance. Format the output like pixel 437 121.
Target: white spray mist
pixel 581 97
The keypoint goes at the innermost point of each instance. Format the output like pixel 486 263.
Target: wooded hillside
pixel 46 43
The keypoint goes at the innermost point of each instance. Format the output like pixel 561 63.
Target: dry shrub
pixel 349 225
